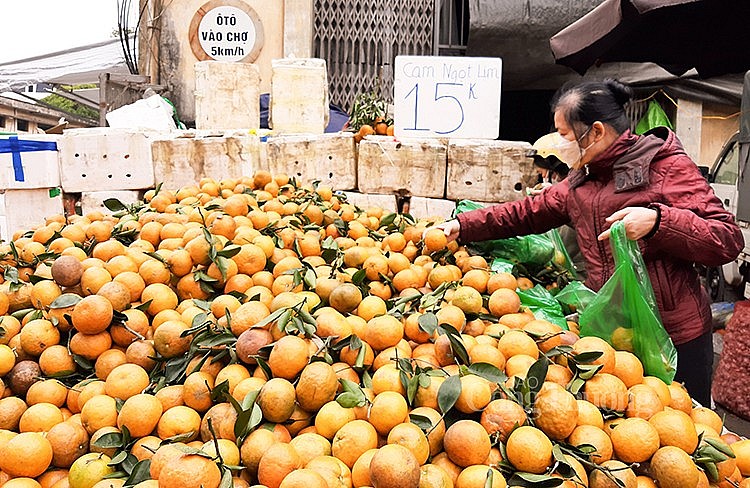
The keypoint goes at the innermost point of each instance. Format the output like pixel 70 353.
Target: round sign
pixel 226 31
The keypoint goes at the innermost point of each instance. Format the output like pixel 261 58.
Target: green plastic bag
pixel 624 312
pixel 654 117
pixel 543 305
pixel 531 249
pixel 575 297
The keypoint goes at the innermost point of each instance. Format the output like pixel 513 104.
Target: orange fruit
pixel 279 460
pixel 190 471
pixel 675 428
pixel 394 466
pixel 466 443
pixel 352 440
pixel 634 440
pixel 595 344
pixel 27 454
pixel 140 414
pixel 92 314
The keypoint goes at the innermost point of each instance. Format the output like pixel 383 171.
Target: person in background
pixel 650 184
pixel 547 163
pixel 552 170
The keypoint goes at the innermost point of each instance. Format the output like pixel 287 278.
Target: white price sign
pixel 445 96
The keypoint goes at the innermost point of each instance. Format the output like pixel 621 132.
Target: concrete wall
pixel 704 128
pixel 719 123
pixel 287 30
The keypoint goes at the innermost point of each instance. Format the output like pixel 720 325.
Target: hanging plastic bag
pixel 561 256
pixel 654 117
pixel 624 312
pixel 575 297
pixel 543 305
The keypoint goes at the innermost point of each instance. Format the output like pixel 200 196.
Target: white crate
pixel 94 200
pixel 227 95
pixel 329 158
pixel 36 162
pixel 368 200
pixel 489 171
pixel 299 96
pixel 183 158
pixel 4 229
pixel 27 209
pixel 430 208
pixel 385 165
pixel 102 159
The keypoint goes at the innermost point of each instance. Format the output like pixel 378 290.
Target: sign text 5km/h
pixel 442 96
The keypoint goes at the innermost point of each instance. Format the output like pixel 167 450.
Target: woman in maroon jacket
pixel 650 184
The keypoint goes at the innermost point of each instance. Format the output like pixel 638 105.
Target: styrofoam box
pixel 385 165
pixel 227 95
pixel 299 96
pixel 183 158
pixel 27 209
pixel 39 168
pixel 368 200
pixel 489 171
pixel 100 159
pixel 421 207
pixel 94 200
pixel 329 158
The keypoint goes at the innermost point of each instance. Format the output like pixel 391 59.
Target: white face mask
pixel 570 152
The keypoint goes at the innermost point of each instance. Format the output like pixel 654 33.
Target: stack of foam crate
pixel 29 181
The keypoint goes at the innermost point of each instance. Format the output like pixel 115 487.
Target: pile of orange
pixel 259 332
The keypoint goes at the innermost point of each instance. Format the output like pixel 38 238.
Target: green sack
pixel 624 312
pixel 543 305
pixel 654 117
pixel 575 297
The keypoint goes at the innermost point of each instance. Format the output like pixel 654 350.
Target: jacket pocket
pixel 662 285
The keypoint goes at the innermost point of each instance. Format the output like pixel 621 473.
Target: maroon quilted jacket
pixel 634 171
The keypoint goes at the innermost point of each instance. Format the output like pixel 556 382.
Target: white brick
pixel 227 95
pixel 27 209
pixel 365 201
pixel 329 158
pixel 105 159
pixel 39 169
pixel 385 165
pixel 489 171
pixel 94 200
pixel 182 159
pixel 421 207
pixel 299 96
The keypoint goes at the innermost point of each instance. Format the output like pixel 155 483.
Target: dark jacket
pixel 635 171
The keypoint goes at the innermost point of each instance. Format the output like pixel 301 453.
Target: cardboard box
pixel 29 161
pixel 94 200
pixel 227 95
pixel 27 209
pixel 299 96
pixel 385 165
pixel 489 171
pixel 102 159
pixel 328 158
pixel 183 158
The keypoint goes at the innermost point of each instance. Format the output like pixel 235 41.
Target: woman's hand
pixel 451 228
pixel 639 221
pixel 539 188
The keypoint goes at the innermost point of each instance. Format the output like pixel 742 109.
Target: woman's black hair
pixel 585 103
pixel 553 164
